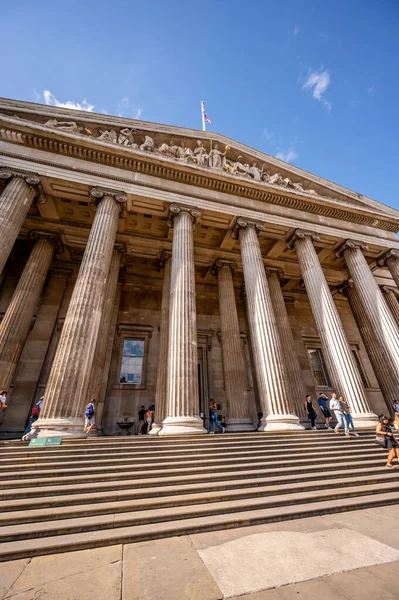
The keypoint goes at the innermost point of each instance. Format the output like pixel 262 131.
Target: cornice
pixel 95 151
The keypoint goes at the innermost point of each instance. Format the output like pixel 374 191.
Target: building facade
pixel 149 264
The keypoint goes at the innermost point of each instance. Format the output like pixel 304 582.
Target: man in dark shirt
pixel 141 419
pixel 322 400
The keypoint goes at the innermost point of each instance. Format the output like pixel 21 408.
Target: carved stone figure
pixel 189 156
pixel 108 136
pixel 168 150
pixel 126 138
pixel 70 126
pixel 201 155
pixel 217 159
pixel 255 173
pixel 180 151
pixel 298 187
pixel 148 144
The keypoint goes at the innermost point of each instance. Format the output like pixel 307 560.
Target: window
pixel 318 367
pixel 132 361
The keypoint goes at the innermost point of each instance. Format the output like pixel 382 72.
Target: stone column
pixel 15 202
pixel 15 325
pixel 272 380
pixel 66 392
pixel 233 358
pixel 391 298
pixel 182 399
pixel 161 384
pixel 335 347
pixel 381 363
pixel 100 354
pixel 381 320
pixel 296 385
pixel 391 260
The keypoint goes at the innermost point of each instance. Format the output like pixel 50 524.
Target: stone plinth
pixel 267 350
pixel 233 358
pixel 182 400
pixel 337 353
pixel 15 202
pixel 66 393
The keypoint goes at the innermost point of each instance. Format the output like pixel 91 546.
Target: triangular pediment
pixel 206 152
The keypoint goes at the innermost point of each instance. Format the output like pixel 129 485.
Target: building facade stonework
pixel 150 264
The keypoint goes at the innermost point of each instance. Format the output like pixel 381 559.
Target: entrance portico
pixel 157 246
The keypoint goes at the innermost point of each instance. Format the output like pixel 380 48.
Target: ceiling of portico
pixel 147 148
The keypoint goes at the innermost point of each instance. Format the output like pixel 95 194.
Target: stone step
pixel 119 535
pixel 157 477
pixel 142 461
pixel 197 465
pixel 63 453
pixel 21 511
pixel 145 515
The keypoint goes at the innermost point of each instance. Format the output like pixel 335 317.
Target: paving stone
pixel 9 573
pixel 168 569
pixel 362 584
pixel 309 590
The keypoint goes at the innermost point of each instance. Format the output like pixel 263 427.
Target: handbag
pixel 381 440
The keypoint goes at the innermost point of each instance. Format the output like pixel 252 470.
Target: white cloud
pixel 138 113
pixel 268 135
pixel 297 29
pixel 318 82
pixel 51 100
pixel 288 156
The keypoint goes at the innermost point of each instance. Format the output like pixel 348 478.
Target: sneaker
pixel 355 434
pixel 314 428
pixel 390 466
pixel 326 426
pixel 336 431
pixel 223 429
pixel 211 432
pixel 330 428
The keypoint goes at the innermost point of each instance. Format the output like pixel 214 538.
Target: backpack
pixel 35 411
pixel 89 411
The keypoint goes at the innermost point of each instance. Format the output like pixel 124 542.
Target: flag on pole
pixel 204 116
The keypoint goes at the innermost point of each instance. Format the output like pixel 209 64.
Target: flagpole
pixel 203 115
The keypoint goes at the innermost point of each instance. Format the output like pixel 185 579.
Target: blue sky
pixel 309 81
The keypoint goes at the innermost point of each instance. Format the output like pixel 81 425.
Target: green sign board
pixel 46 441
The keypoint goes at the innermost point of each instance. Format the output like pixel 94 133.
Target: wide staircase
pixel 102 491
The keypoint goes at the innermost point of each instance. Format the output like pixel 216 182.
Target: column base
pixel 61 427
pixel 155 429
pixel 280 423
pixel 182 426
pixel 238 425
pixel 365 420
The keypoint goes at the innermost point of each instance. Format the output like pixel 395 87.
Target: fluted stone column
pixel 233 359
pixel 391 260
pixel 15 203
pixel 340 362
pixel 66 392
pixel 100 354
pixel 161 384
pixel 15 325
pixel 268 353
pixel 382 322
pixel 182 399
pixel 296 385
pixel 380 361
pixel 391 298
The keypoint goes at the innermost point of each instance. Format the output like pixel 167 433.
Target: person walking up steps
pixel 347 415
pixel 322 401
pixel 339 414
pixel 213 417
pixel 33 418
pixel 89 416
pixel 386 439
pixel 312 414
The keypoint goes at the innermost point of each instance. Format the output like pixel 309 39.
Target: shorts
pixel 89 422
pixel 326 412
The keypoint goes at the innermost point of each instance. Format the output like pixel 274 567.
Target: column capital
pixel 51 236
pixel 300 234
pixel 165 256
pixel 349 245
pixel 382 260
pixel 175 209
pixel 270 270
pixel 388 288
pixel 221 262
pixel 32 179
pixel 242 223
pixel 118 196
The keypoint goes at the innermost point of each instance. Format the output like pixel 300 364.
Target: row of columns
pixel 81 352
